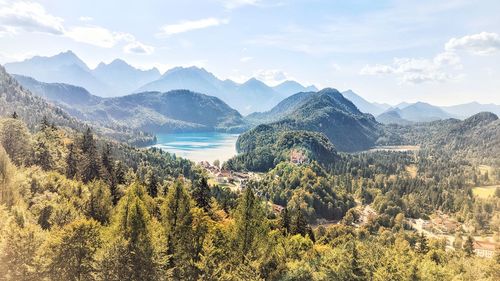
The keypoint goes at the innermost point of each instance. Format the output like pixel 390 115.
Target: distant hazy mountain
pixel 416 112
pixel 124 78
pixel 62 68
pixel 178 110
pixel 60 93
pixel 31 108
pixel 107 80
pixel 468 109
pixel 281 110
pixel 393 116
pixel 290 87
pixel 328 112
pixel 364 105
pixel 251 96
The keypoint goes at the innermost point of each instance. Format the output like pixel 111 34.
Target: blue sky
pixel 443 52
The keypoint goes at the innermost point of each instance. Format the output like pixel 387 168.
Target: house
pixel 220 178
pixel 277 208
pixel 484 249
pixel 297 157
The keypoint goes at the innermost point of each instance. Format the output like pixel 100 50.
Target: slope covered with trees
pixel 85 213
pixel 327 112
pixel 177 110
pixel 265 146
pixel 33 109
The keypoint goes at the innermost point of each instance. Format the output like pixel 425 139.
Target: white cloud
pixel 98 36
pixel 418 70
pixel 271 76
pixel 232 4
pixel 30 17
pixel 246 59
pixel 376 69
pixel 138 48
pixel 483 43
pixel 84 18
pixel 186 26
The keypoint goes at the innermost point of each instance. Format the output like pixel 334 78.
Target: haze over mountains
pixel 118 78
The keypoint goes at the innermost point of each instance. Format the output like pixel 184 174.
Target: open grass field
pixel 484 191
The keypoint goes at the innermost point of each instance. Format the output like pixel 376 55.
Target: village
pixel 236 181
pixel 439 225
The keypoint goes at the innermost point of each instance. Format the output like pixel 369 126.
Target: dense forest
pixel 263 147
pixel 79 207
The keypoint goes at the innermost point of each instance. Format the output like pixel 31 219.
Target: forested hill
pixel 329 112
pixel 33 109
pixel 178 110
pixel 476 138
pixel 265 146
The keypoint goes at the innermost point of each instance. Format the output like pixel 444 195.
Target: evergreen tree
pixel 71 162
pixel 151 183
pixel 90 158
pixel 130 255
pixel 469 246
pixel 422 246
pixel 285 221
pixel 201 193
pixel 355 266
pixel 14 115
pixel 177 219
pixel 250 228
pixel 299 224
pixel 100 201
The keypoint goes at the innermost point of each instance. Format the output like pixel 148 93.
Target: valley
pixel 188 176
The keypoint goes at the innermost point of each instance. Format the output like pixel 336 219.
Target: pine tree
pixel 469 246
pixel 285 221
pixel 152 183
pixel 177 219
pixel 71 162
pixel 422 246
pixel 90 159
pixel 201 193
pixel 250 226
pixel 14 115
pixel 100 201
pixel 130 255
pixel 357 270
pixel 299 224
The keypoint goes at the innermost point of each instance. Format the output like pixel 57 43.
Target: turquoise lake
pixel 199 146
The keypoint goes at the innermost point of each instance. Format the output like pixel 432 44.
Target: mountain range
pixel 176 110
pixel 118 78
pixel 32 109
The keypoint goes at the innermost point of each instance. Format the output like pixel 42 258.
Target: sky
pixel 442 52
